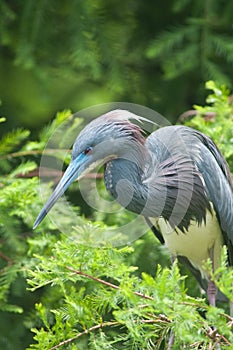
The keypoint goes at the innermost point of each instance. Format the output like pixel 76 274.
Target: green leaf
pixel 12 140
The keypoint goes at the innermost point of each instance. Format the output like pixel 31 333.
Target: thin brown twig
pixel 4 257
pixel 161 318
pixel 225 339
pixel 192 113
pixel 8 260
pixel 45 172
pixel 111 285
pixel 98 326
pixel 49 151
pixel 188 303
pixel 114 286
pixel 108 324
pixel 216 337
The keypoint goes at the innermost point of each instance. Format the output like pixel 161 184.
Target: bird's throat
pixel 123 179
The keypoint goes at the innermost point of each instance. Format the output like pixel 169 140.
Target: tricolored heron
pixel 176 178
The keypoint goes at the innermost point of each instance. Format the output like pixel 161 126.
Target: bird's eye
pixel 87 150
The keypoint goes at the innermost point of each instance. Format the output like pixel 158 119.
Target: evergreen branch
pixel 44 171
pixel 160 319
pixel 212 334
pixel 196 305
pixel 53 173
pixel 223 46
pixel 111 285
pixel 5 258
pixel 170 40
pixel 32 152
pixel 8 260
pixel 187 115
pixel 91 329
pixel 12 140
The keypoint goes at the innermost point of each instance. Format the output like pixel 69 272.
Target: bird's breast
pixel 197 244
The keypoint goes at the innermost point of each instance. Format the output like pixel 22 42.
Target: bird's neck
pixel 123 179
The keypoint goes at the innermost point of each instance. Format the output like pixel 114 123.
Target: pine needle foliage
pixel 102 302
pixel 59 290
pixel 216 118
pixel 19 204
pixel 97 51
pixel 196 45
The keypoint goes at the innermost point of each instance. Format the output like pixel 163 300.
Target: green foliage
pixel 100 301
pixel 216 119
pixel 2 120
pixel 61 290
pixel 154 54
pixel 12 140
pixel 97 291
pixel 223 277
pixel 19 205
pixel 196 45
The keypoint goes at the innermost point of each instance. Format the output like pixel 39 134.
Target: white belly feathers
pixel 197 244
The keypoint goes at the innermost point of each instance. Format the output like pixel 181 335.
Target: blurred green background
pixel 59 55
pixel 74 54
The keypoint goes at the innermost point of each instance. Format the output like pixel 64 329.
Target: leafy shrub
pixel 79 296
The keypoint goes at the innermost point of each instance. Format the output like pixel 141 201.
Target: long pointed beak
pixel 73 171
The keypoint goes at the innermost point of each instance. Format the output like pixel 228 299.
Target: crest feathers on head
pixel 122 115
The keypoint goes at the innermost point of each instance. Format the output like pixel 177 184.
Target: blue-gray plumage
pixel 176 178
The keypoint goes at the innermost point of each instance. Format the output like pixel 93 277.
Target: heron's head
pixel 108 137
